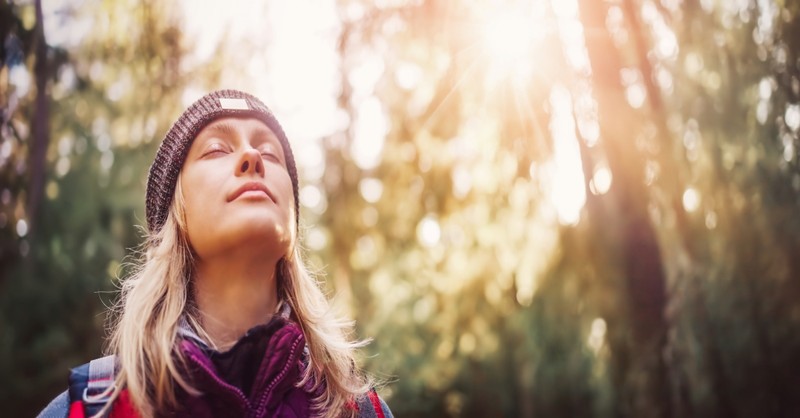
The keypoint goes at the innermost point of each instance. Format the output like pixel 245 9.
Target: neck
pixel 233 296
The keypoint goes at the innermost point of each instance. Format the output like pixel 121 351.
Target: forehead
pixel 231 125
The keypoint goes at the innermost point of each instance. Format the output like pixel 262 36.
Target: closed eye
pixel 214 150
pixel 270 155
pixel 269 152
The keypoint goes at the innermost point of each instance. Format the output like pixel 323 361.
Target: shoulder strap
pixel 371 406
pixel 91 385
pixel 100 385
pixel 376 403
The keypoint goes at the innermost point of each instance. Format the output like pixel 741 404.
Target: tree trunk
pixel 41 129
pixel 647 390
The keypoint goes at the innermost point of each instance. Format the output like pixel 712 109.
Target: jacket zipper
pixel 290 363
pixel 223 384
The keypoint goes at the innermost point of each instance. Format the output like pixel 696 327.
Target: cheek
pixel 288 194
pixel 195 208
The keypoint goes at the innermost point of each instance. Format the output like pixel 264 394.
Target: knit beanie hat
pixel 171 154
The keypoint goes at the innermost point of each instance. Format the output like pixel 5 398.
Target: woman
pixel 222 318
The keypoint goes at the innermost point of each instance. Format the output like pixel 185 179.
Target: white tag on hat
pixel 233 104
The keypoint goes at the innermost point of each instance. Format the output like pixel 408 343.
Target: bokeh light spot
pixel 428 231
pixel 691 199
pixel 22 228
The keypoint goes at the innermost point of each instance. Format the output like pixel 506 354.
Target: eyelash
pixel 264 154
pixel 270 154
pixel 213 150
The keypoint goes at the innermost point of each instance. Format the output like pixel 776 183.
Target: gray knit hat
pixel 172 153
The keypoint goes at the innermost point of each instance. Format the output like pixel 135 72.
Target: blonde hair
pixel 155 296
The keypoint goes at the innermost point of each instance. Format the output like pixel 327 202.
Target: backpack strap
pixel 91 385
pixel 376 403
pixel 371 406
pixel 101 384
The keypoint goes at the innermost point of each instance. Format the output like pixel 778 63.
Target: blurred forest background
pixel 549 208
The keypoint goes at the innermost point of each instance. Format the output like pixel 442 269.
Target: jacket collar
pixel 256 375
pixel 186 331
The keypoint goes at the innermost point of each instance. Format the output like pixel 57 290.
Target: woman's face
pixel 237 191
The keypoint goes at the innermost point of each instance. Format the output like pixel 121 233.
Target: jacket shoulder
pixel 57 408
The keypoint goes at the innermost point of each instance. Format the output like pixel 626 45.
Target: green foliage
pixel 673 291
pixel 58 270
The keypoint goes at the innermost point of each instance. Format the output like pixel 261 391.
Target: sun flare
pixel 510 38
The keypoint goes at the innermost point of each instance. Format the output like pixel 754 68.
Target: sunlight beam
pixel 568 192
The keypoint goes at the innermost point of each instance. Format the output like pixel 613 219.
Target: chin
pixel 242 233
pixel 268 233
pixel 265 230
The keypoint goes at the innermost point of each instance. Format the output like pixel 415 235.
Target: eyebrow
pixel 223 128
pixel 228 129
pixel 259 134
pixel 266 135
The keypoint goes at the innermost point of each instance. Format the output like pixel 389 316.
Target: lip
pixel 250 187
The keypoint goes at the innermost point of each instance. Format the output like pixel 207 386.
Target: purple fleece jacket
pixel 257 377
pixel 274 351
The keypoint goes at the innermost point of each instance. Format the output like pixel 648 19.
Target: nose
pixel 250 163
